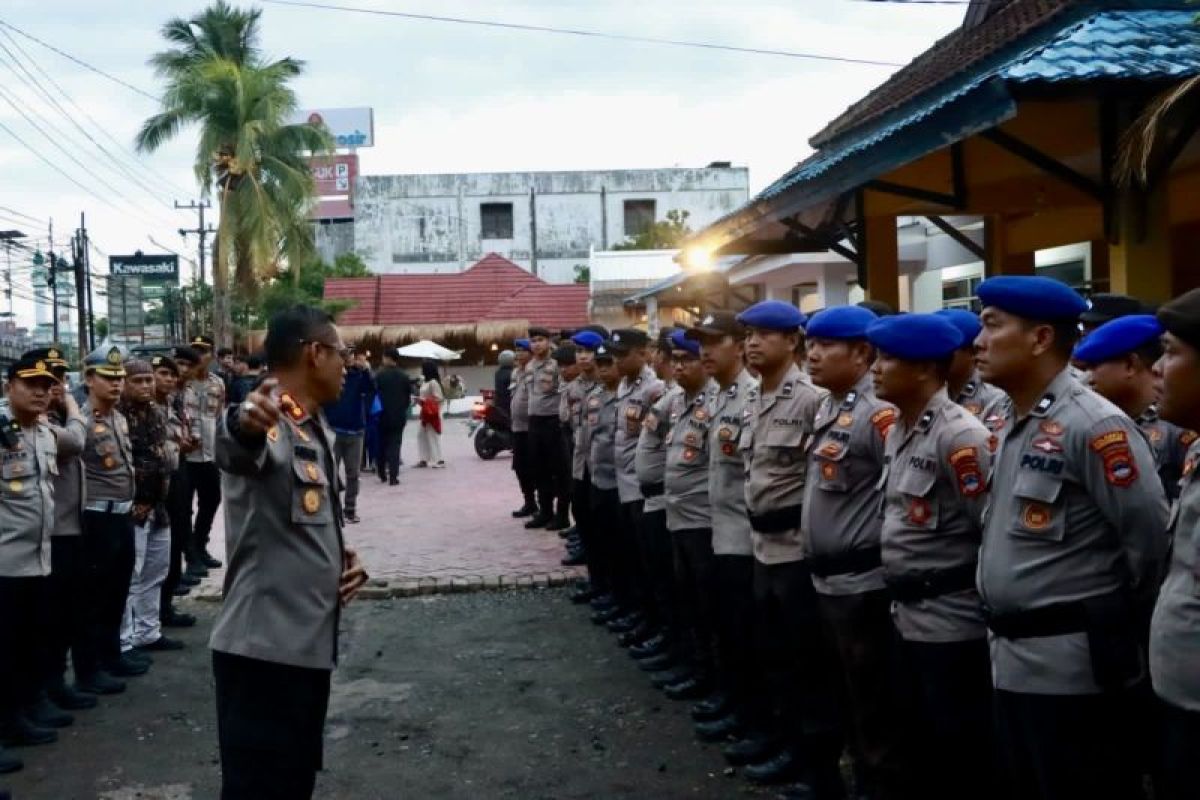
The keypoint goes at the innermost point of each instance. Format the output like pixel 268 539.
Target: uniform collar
pixel 1060 387
pixel 971 387
pixel 293 411
pixel 933 409
pixel 1149 415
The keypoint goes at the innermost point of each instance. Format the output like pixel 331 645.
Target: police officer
pixel 1174 645
pixel 544 440
pixel 568 369
pixel 28 462
pixel 166 395
pixel 1119 357
pixel 842 531
pixel 661 357
pixel 964 385
pixel 1072 545
pixel 574 396
pixel 774 443
pixel 599 437
pixel 275 639
pixel 207 400
pixel 1104 307
pixel 935 488
pixel 519 413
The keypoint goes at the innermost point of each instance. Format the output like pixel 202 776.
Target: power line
pixel 581 32
pixel 78 61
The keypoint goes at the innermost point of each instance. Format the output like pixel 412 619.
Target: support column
pixel 652 316
pixel 999 261
pixel 1140 260
pixel 1101 268
pixel 832 286
pixel 882 246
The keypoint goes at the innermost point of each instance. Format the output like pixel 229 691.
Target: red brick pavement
pixel 442 523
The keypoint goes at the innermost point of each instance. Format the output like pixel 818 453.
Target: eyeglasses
pixel 343 353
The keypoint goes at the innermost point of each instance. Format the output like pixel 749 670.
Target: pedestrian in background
pixel 249 377
pixel 432 400
pixel 206 401
pixel 348 418
pixel 395 398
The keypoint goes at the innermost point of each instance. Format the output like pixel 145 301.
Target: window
pixel 1072 273
pixel 496 220
pixel 960 294
pixel 639 216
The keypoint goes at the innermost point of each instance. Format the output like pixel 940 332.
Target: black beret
pixel 1181 317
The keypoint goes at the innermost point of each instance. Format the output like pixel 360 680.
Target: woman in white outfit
pixel 430 440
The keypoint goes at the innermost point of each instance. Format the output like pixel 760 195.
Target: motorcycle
pixel 490 428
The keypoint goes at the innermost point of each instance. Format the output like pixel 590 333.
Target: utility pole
pixel 8 237
pixel 52 284
pixel 80 298
pixel 87 278
pixel 201 230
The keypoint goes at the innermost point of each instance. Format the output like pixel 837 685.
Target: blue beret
pixel 588 340
pixel 915 337
pixel 1032 297
pixel 680 341
pixel 522 344
pixel 968 324
pixel 772 315
pixel 1118 337
pixel 843 322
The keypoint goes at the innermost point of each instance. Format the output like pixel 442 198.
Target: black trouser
pixel 738 670
pixel 391 440
pixel 270 719
pixel 204 483
pixel 953 691
pixel 1056 747
pixel 545 448
pixel 804 686
pixel 66 604
pixel 694 573
pixel 522 464
pixel 565 488
pixel 658 567
pixel 108 552
pixel 601 541
pixel 1177 775
pixel 22 642
pixel 179 498
pixel 633 586
pixel 876 712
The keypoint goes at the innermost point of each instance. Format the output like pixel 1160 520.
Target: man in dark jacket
pixel 395 395
pixel 503 381
pixel 348 418
pixel 242 385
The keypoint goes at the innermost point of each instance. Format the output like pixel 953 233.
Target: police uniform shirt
pixel 284 541
pixel 600 432
pixel 207 401
pixel 774 443
pixel 634 400
pixel 935 492
pixel 70 437
pixel 979 398
pixel 686 476
pixel 175 434
pixel 1174 645
pixel 27 473
pixel 842 499
pixel 575 396
pixel 519 411
pixel 107 456
pixel 1075 511
pixel 1170 444
pixel 543 388
pixel 650 459
pixel 727 469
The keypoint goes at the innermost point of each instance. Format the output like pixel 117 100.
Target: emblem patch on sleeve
pixel 965 461
pixel 1187 437
pixel 883 420
pixel 1119 467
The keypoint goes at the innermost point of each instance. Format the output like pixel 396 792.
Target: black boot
pixel 71 699
pixel 692 688
pixel 715 706
pixel 195 565
pixel 527 510
pixel 206 558
pixel 178 619
pixel 647 648
pixel 125 667
pixel 560 523
pixel 784 767
pixel 18 731
pixel 754 748
pixel 99 682
pixel 539 521
pixel 43 713
pixel 718 730
pixel 9 762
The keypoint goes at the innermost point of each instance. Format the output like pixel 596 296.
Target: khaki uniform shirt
pixel 600 430
pixel 634 400
pixel 69 490
pixel 1170 444
pixel 842 499
pixel 283 544
pixel 519 410
pixel 686 475
pixel 543 388
pixel 206 402
pixel 774 443
pixel 727 468
pixel 650 460
pixel 575 396
pixel 1076 511
pixel 1174 643
pixel 935 490
pixel 979 398
pixel 27 473
pixel 107 456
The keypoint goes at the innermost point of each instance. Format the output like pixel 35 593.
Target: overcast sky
pixel 448 97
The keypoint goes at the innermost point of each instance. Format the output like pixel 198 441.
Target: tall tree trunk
pixel 222 327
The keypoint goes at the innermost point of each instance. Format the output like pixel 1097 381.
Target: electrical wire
pixel 78 61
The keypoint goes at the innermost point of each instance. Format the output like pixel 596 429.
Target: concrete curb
pixel 384 589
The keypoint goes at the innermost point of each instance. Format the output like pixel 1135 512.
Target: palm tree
pixel 247 151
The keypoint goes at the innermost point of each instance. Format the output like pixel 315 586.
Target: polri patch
pixel 965 461
pixel 1119 467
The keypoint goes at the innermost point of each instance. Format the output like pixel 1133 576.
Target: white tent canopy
pixel 426 349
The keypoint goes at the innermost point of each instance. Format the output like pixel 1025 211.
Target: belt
pixel 862 560
pixel 780 520
pixel 653 489
pixel 110 506
pixel 911 588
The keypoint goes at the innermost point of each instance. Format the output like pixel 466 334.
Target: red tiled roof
pixel 493 289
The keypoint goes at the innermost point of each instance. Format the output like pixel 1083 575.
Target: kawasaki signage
pixel 155 272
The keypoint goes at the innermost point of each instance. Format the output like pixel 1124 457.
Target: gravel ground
pixel 503 694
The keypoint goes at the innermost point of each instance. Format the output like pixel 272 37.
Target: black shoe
pixel 654 646
pixel 658 663
pixel 559 523
pixel 689 689
pixel 570 533
pixel 540 521
pixel 754 749
pixel 43 713
pixel 603 602
pixel 582 596
pixel 394 482
pixel 635 637
pixel 575 559
pixel 137 656
pixel 178 619
pixel 350 518
pixel 188 580
pixel 162 644
pixel 383 478
pixel 527 510
pixel 64 696
pixel 782 768
pixel 715 706
pixel 718 730
pixel 208 561
pixel 99 682
pixel 9 763
pixel 196 568
pixel 608 615
pixel 661 680
pixel 181 591
pixel 625 624
pixel 19 731
pixel 126 667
